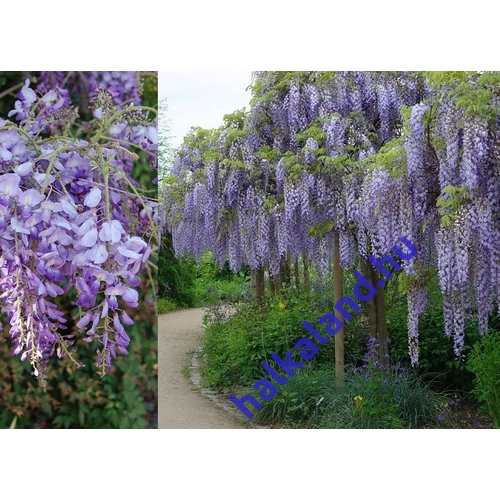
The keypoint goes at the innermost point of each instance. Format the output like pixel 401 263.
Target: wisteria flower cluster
pixel 73 222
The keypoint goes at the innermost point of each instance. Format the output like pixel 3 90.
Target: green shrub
pixel 484 362
pixel 209 291
pixel 235 346
pixel 165 306
pixel 176 277
pixel 437 361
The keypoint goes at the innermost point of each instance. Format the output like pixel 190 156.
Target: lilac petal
pixel 24 169
pixel 5 154
pixel 102 275
pixel 81 285
pixel 61 237
pixel 18 227
pixel 116 231
pixel 30 198
pixel 85 227
pixel 52 206
pixel 50 96
pixel 116 129
pixel 105 232
pixel 93 198
pixel 152 134
pixel 9 184
pixel 136 244
pixel 131 296
pixel 40 178
pixel 90 238
pixel 27 93
pixel 68 206
pixel 105 309
pixel 79 260
pixel 116 323
pixel 115 290
pixel 84 321
pixel 126 319
pixel 101 254
pixel 128 253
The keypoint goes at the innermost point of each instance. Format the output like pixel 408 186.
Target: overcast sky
pixel 201 98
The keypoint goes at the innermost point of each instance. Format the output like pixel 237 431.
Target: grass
pixel 382 400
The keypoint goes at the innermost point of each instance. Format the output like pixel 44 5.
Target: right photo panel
pixel 330 250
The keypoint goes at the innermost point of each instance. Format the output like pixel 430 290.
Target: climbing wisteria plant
pixel 74 224
pixel 347 162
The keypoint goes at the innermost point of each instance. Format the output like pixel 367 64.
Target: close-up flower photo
pixel 78 174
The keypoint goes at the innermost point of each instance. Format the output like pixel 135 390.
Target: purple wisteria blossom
pixel 67 223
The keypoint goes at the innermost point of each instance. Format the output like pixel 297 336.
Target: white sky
pixel 201 98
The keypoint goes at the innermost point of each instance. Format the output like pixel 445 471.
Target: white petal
pixel 90 238
pixel 93 198
pixel 85 227
pixel 24 169
pixel 101 254
pixel 128 253
pixel 69 207
pixel 116 231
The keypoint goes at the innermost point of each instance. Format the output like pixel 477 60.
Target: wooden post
pixel 338 293
pixel 307 279
pixel 296 271
pixel 382 334
pixel 376 314
pixel 272 285
pixel 260 284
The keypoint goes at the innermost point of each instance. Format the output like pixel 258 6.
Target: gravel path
pixel 180 404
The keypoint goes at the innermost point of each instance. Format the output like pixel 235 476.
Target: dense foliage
pixel 484 362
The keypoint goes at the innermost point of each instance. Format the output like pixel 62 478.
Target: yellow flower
pixel 357 401
pixel 281 305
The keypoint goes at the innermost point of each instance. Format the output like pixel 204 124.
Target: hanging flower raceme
pixel 71 219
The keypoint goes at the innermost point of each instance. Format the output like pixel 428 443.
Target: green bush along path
pixel 180 404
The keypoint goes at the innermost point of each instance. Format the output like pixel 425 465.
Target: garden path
pixel 181 406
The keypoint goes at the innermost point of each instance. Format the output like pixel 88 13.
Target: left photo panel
pixel 78 249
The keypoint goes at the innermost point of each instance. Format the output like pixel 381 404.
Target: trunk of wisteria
pixel 307 279
pixel 382 336
pixel 296 271
pixel 376 314
pixel 372 308
pixel 260 284
pixel 272 285
pixel 338 292
pixel 277 284
pixel 288 268
pixel 285 269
